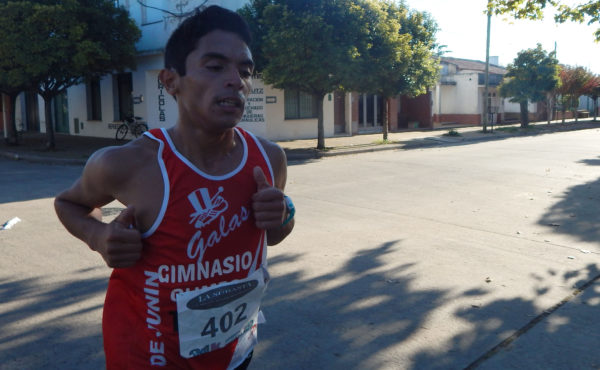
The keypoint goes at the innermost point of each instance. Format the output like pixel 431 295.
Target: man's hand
pixel 120 244
pixel 267 203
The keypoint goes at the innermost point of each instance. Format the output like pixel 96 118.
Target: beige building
pixel 459 95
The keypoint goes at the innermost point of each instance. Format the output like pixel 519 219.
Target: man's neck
pixel 215 154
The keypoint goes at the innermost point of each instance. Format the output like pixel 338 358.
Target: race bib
pixel 212 317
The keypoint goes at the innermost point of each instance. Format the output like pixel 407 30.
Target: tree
pixel 305 46
pixel 397 53
pixel 575 82
pixel 530 77
pixel 588 11
pixel 13 78
pixel 62 43
pixel 592 89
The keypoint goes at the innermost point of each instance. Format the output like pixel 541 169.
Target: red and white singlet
pixel 205 246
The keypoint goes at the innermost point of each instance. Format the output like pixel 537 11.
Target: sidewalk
pixel 75 150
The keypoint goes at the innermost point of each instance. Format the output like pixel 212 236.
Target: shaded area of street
pixel 455 255
pixel 43 323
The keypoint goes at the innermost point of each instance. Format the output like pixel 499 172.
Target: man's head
pixel 185 38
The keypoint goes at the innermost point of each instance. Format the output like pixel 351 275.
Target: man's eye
pixel 214 68
pixel 245 74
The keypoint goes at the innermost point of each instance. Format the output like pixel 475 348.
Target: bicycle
pixel 133 125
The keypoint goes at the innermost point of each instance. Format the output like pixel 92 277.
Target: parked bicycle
pixel 131 125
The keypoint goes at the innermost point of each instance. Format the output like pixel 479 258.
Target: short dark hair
pixel 186 36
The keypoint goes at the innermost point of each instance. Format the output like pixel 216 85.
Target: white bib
pixel 212 317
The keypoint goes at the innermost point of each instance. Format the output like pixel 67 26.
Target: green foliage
pixel 575 82
pixel 320 46
pixel 49 46
pixel 586 11
pixel 452 132
pixel 531 76
pixel 397 51
pixel 305 45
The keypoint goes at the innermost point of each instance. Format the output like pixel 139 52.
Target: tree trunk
pixel 50 142
pixel 320 124
pixel 386 121
pixel 524 114
pixel 549 102
pixel 595 108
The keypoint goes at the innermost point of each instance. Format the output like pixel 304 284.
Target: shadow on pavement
pixel 361 323
pixel 42 324
pixel 373 309
pixel 576 214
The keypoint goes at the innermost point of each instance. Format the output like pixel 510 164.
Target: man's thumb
pixel 260 178
pixel 126 217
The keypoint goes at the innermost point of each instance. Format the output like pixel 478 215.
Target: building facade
pixel 96 108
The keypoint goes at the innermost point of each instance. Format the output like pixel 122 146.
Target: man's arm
pixel 78 208
pixel 269 206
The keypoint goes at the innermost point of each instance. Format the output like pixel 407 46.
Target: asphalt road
pixel 407 259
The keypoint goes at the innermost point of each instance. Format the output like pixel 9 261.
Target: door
pixel 339 112
pixel 124 85
pixel 370 111
pixel 32 113
pixel 60 111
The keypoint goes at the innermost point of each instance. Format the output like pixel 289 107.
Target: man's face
pixel 218 79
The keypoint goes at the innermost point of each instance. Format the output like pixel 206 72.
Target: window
pixel 123 86
pixel 299 104
pixel 94 105
pixel 445 71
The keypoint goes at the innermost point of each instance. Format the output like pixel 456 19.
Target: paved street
pixel 404 259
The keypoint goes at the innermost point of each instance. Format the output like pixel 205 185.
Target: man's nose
pixel 234 79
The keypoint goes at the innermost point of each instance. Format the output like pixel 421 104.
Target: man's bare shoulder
pixel 121 161
pixel 278 161
pixel 275 153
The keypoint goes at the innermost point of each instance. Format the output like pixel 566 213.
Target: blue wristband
pixel 290 209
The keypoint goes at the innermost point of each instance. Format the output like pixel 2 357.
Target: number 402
pixel 225 322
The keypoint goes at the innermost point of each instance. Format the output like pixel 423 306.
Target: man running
pixel 204 199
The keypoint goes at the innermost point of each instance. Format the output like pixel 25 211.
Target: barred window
pixel 299 104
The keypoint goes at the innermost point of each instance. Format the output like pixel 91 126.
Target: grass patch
pixel 384 142
pixel 452 132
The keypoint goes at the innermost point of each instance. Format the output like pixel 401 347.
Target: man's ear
pixel 170 79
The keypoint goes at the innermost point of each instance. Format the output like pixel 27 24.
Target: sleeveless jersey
pixel 204 235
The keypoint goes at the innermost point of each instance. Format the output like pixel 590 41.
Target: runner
pixel 204 199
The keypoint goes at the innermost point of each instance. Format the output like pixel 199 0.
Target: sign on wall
pixel 254 118
pixel 254 111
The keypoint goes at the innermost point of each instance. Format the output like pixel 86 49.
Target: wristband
pixel 290 209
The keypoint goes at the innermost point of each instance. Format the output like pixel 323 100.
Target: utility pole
pixel 487 70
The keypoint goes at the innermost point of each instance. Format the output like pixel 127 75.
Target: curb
pixel 42 159
pixel 303 154
pixel 291 154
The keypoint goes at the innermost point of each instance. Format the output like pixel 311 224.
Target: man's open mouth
pixel 230 102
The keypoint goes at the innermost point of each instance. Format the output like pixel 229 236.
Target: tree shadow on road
pixel 43 325
pixel 367 316
pixel 361 307
pixel 577 214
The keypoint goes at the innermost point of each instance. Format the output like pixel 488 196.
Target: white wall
pixel 157 25
pixel 278 128
pixel 462 98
